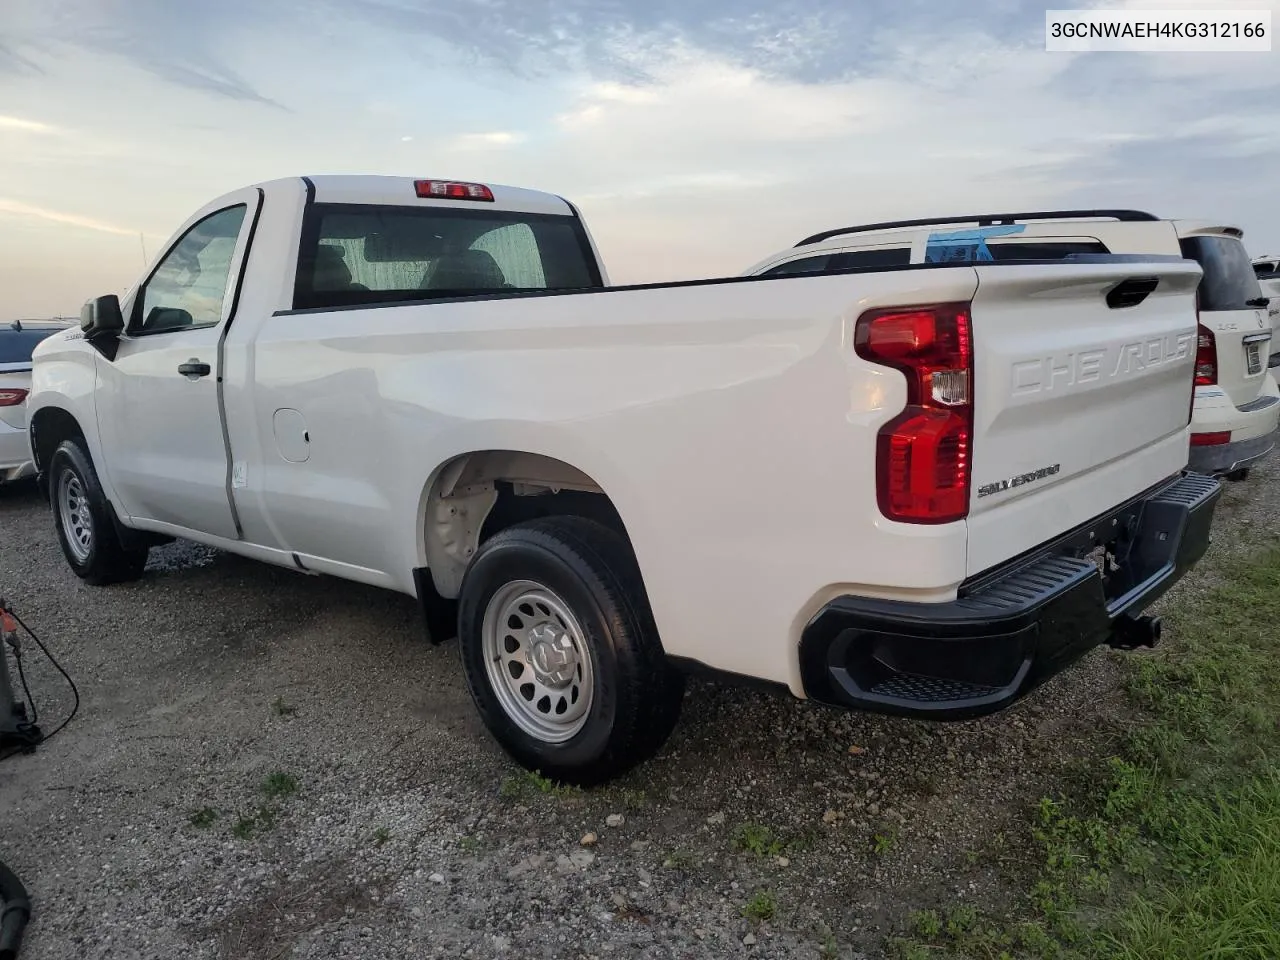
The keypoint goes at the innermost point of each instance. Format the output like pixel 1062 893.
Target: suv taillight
pixel 923 455
pixel 1206 357
pixel 11 396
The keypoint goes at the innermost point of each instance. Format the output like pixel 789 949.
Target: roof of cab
pixel 400 191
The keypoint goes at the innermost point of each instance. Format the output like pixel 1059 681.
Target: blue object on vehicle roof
pixel 962 246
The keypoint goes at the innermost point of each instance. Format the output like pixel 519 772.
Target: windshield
pixel 376 254
pixel 1229 281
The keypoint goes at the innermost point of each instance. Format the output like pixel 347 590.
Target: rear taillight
pixel 1206 357
pixel 1213 439
pixel 923 455
pixel 11 396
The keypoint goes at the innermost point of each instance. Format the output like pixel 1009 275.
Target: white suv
pixel 1237 403
pixel 1267 270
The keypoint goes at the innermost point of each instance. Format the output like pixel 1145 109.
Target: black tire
pixel 1235 476
pixel 635 692
pixel 103 559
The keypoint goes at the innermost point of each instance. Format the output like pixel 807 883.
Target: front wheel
pixel 82 516
pixel 561 653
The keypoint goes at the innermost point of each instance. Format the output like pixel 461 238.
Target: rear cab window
pixel 354 254
pixel 1229 281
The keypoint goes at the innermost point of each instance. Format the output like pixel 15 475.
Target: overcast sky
pixel 697 136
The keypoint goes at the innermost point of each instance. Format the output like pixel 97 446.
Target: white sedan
pixel 17 340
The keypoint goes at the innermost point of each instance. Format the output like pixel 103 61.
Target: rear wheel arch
pixel 475 495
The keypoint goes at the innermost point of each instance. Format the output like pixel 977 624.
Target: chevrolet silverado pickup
pixel 914 489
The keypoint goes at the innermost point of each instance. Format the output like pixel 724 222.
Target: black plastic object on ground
pixel 17 730
pixel 15 911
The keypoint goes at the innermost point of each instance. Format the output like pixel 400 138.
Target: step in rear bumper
pixel 1012 628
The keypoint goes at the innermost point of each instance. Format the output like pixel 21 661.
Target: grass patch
pixel 762 907
pixel 829 948
pixel 279 785
pixel 259 821
pixel 1173 853
pixel 282 709
pixel 276 786
pixel 882 844
pixel 633 799
pixel 531 783
pixel 763 841
pixel 925 923
pixel 203 818
pixel 758 839
pixel 679 859
pixel 381 836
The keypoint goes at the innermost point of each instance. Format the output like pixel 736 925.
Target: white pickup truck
pixel 918 489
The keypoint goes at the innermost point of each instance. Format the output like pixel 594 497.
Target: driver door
pixel 159 405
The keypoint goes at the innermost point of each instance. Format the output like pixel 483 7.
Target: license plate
pixel 1253 358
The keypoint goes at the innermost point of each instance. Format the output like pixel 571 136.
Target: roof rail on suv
pixel 986 220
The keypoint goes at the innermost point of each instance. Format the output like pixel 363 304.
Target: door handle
pixel 193 369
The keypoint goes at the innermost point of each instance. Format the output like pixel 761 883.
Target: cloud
pixel 824 40
pixel 13 62
pixel 183 43
pixel 473 141
pixel 25 126
pixel 708 162
pixel 696 138
pixel 20 209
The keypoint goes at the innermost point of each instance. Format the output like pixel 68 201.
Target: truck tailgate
pixel 1082 394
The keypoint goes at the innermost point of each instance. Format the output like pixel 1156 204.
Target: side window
pixel 1044 250
pixel 188 287
pixel 803 265
pixel 869 259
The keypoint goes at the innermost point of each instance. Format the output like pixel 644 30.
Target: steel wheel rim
pixel 538 662
pixel 73 511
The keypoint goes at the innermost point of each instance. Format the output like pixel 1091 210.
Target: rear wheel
pixel 561 653
pixel 82 516
pixel 1238 475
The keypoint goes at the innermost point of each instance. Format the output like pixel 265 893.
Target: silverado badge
pixel 1023 478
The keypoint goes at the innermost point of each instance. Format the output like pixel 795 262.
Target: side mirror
pixel 102 323
pixel 101 317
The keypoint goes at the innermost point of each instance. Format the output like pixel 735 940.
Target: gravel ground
pixel 269 765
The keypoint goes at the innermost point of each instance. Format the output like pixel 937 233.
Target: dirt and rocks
pixel 267 765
